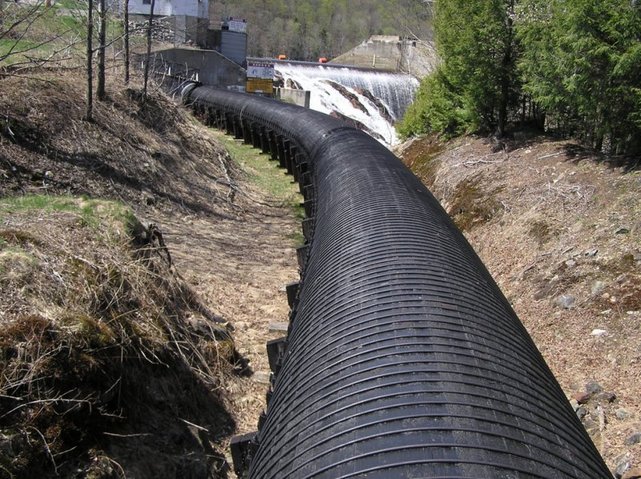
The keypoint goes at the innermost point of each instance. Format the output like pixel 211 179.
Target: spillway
pixel 372 100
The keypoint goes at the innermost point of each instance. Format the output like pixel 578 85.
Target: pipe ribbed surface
pixel 404 359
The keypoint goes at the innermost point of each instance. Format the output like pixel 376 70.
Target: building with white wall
pixel 167 8
pixel 187 19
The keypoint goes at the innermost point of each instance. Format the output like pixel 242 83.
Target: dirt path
pixel 239 267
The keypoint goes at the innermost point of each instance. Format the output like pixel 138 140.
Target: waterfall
pixel 370 100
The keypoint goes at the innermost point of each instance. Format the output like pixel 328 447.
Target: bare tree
pixel 25 45
pixel 89 106
pixel 148 59
pixel 102 40
pixel 15 26
pixel 126 33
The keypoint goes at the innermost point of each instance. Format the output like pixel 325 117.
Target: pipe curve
pixel 403 358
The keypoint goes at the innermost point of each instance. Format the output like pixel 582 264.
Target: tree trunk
pixel 506 71
pixel 102 40
pixel 89 106
pixel 126 31
pixel 148 59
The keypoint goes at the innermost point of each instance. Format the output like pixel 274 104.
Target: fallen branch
pixel 469 164
pixel 549 156
pixel 44 441
pixel 140 434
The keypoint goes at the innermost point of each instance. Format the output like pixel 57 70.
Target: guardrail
pixel 403 358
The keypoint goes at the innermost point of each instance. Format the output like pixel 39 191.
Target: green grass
pixel 268 177
pixel 265 173
pixel 71 4
pixel 13 48
pixel 20 204
pixel 90 211
pixel 56 31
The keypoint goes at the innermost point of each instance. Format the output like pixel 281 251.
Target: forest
pixel 307 30
pixel 571 68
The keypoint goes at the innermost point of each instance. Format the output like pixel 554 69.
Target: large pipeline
pixel 403 358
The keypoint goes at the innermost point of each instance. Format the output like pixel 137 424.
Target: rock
pixel 597 288
pixel 593 387
pixel 581 412
pixel 622 231
pixel 632 474
pixel 633 439
pixel 262 377
pixel 623 464
pixel 591 252
pixel 606 396
pixel 622 468
pixel 621 414
pixel 598 332
pixel 591 426
pixel 570 263
pixel 566 301
pixel 582 397
pixel 575 404
pixel 278 326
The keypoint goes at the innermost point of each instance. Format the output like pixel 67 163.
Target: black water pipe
pixel 403 358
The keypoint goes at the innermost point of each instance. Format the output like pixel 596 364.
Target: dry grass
pixel 472 205
pixel 127 153
pixel 156 397
pixel 109 357
pixel 421 156
pixel 79 327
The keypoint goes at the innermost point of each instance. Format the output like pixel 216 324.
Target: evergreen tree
pixel 476 85
pixel 581 64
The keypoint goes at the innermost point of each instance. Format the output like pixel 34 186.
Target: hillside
pixel 559 229
pixel 136 284
pixel 307 30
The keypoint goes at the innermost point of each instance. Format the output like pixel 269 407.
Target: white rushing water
pixel 375 100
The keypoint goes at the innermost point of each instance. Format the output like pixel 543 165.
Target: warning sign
pixel 258 85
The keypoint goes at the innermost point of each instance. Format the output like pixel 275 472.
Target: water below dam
pixel 370 100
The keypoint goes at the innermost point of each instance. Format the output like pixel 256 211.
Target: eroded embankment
pixel 126 246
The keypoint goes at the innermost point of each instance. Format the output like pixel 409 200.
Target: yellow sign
pixel 260 85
